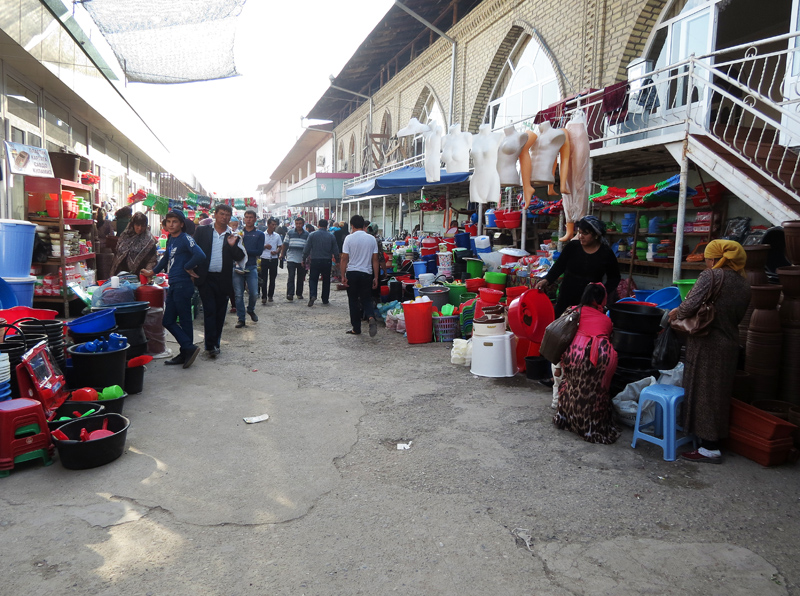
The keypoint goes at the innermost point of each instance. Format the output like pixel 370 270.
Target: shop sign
pixel 28 161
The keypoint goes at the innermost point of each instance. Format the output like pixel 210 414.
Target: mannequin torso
pixel 484 186
pixel 433 152
pixel 544 153
pixel 455 150
pixel 511 145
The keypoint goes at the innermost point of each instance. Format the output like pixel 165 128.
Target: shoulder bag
pixel 559 335
pixel 699 323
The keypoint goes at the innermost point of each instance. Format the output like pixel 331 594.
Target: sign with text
pixel 28 161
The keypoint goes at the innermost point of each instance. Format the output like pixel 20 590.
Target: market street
pixel 490 498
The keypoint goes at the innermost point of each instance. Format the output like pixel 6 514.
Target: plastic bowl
pixel 490 296
pixel 685 286
pixel 666 298
pixel 68 407
pixel 102 320
pixel 79 455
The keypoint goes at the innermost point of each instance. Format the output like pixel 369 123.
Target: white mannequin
pixel 414 127
pixel 433 152
pixel 484 186
pixel 512 144
pixel 455 150
pixel 544 153
pixel 576 199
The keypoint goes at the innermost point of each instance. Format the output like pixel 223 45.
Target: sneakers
pixel 311 301
pixel 253 316
pixel 191 358
pixel 703 456
pixel 239 324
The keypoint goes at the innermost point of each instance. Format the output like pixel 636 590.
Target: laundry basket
pixel 446 328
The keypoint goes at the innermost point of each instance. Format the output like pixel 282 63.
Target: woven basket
pixel 446 328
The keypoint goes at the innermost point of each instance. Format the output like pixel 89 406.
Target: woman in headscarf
pixel 136 247
pixel 584 404
pixel 711 359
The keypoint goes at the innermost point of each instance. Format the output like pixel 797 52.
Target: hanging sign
pixel 28 161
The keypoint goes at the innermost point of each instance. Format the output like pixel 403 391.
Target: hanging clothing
pixel 584 403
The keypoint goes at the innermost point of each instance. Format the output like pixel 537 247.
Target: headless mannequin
pixel 545 152
pixel 484 186
pixel 512 144
pixel 414 127
pixel 576 198
pixel 525 167
pixel 433 152
pixel 455 150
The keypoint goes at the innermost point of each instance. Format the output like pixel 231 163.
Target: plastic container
pixel 127 315
pixel 101 320
pixel 16 247
pixel 65 166
pixel 537 368
pixel 490 296
pixel 98 369
pixel 446 328
pixel 134 379
pixel 494 277
pixel 491 222
pixel 420 267
pixel 22 287
pixel 666 298
pixel 483 242
pixel 684 287
pixel 67 409
pixel 439 295
pixel 419 322
pixel 82 455
pixel 455 291
pixel 643 295
pixel 494 356
pixel 474 284
pixel 758 449
pixel 462 239
pixel 474 267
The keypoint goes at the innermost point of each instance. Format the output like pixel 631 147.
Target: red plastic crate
pixel 758 422
pixel 766 453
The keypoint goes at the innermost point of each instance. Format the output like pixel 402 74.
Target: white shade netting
pixel 175 41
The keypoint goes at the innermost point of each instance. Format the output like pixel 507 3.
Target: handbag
pixel 699 323
pixel 559 334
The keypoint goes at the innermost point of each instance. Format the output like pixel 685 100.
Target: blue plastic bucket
pixel 462 240
pixel 8 298
pixel 22 288
pixel 420 267
pixel 643 295
pixel 16 247
pixel 490 220
pixel 666 298
pixel 94 322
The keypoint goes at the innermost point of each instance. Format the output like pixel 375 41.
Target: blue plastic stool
pixel 667 399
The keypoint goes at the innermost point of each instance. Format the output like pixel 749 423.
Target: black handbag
pixel 559 335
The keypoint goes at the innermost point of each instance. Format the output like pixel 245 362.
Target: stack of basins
pixel 5 378
pixel 756 276
pixel 764 341
pixel 54 333
pixel 635 329
pixel 130 318
pixel 459 266
pixel 790 325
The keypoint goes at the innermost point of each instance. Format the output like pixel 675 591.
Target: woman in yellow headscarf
pixel 711 359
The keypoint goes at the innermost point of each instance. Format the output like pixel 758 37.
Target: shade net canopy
pixel 175 41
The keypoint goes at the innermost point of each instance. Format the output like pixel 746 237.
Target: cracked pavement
pixel 489 499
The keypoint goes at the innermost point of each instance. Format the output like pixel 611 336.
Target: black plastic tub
pixel 68 407
pixel 537 368
pixel 134 379
pixel 127 314
pixel 633 344
pixel 81 455
pixel 98 369
pixel 636 318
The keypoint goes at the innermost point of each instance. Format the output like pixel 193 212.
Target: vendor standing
pixel 586 260
pixel 136 248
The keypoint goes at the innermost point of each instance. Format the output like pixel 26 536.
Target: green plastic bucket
pixel 467 296
pixel 474 267
pixel 456 290
pixel 685 286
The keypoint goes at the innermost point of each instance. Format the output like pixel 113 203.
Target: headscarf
pixel 135 251
pixel 730 253
pixel 597 226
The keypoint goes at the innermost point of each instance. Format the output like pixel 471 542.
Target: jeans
pixel 295 269
pixel 320 267
pixel 215 305
pixel 359 295
pixel 178 306
pixel 269 272
pixel 239 281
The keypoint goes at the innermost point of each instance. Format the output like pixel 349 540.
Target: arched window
pixel 526 85
pixel 350 164
pixel 341 164
pixel 426 111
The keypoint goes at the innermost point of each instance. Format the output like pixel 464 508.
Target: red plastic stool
pixel 23 434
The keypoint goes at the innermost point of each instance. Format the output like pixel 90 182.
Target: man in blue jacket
pixel 180 258
pixel 253 241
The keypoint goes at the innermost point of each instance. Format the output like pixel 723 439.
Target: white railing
pixel 417 160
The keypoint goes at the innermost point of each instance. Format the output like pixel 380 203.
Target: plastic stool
pixel 23 434
pixel 494 355
pixel 667 399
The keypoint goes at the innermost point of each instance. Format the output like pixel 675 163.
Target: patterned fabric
pixel 584 404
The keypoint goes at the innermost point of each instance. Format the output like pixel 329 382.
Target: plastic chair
pixel 23 434
pixel 667 399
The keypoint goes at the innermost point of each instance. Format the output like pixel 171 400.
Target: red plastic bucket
pixel 490 295
pixel 515 291
pixel 474 284
pixel 419 322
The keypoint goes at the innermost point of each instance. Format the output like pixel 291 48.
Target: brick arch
pixel 424 95
pixel 640 34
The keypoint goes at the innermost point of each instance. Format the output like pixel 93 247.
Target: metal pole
pixel 400 215
pixel 480 219
pixel 676 265
pixel 384 217
pixel 370 211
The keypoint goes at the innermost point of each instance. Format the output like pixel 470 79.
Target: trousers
pixel 178 314
pixel 250 279
pixel 215 305
pixel 298 272
pixel 359 295
pixel 269 272
pixel 320 267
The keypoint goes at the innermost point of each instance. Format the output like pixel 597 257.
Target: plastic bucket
pixel 537 368
pixel 134 379
pixel 455 293
pixel 474 267
pixel 65 166
pixel 643 295
pixel 491 222
pixel 666 298
pixel 419 322
pixel 467 296
pixel 462 239
pixel 439 295
pixel 420 267
pixel 80 455
pixel 98 369
pixel 426 279
pixel 97 321
pixel 684 287
pixel 22 288
pixel 16 247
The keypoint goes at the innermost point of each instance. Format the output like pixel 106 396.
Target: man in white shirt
pixel 359 269
pixel 269 260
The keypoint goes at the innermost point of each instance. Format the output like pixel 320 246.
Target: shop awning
pixel 407 179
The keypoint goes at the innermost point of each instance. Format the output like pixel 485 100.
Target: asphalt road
pixel 490 498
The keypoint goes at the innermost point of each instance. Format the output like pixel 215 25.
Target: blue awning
pixel 404 180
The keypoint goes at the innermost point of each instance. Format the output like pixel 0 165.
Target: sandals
pixel 351 332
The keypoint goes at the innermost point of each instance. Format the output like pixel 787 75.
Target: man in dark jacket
pixel 322 248
pixel 215 282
